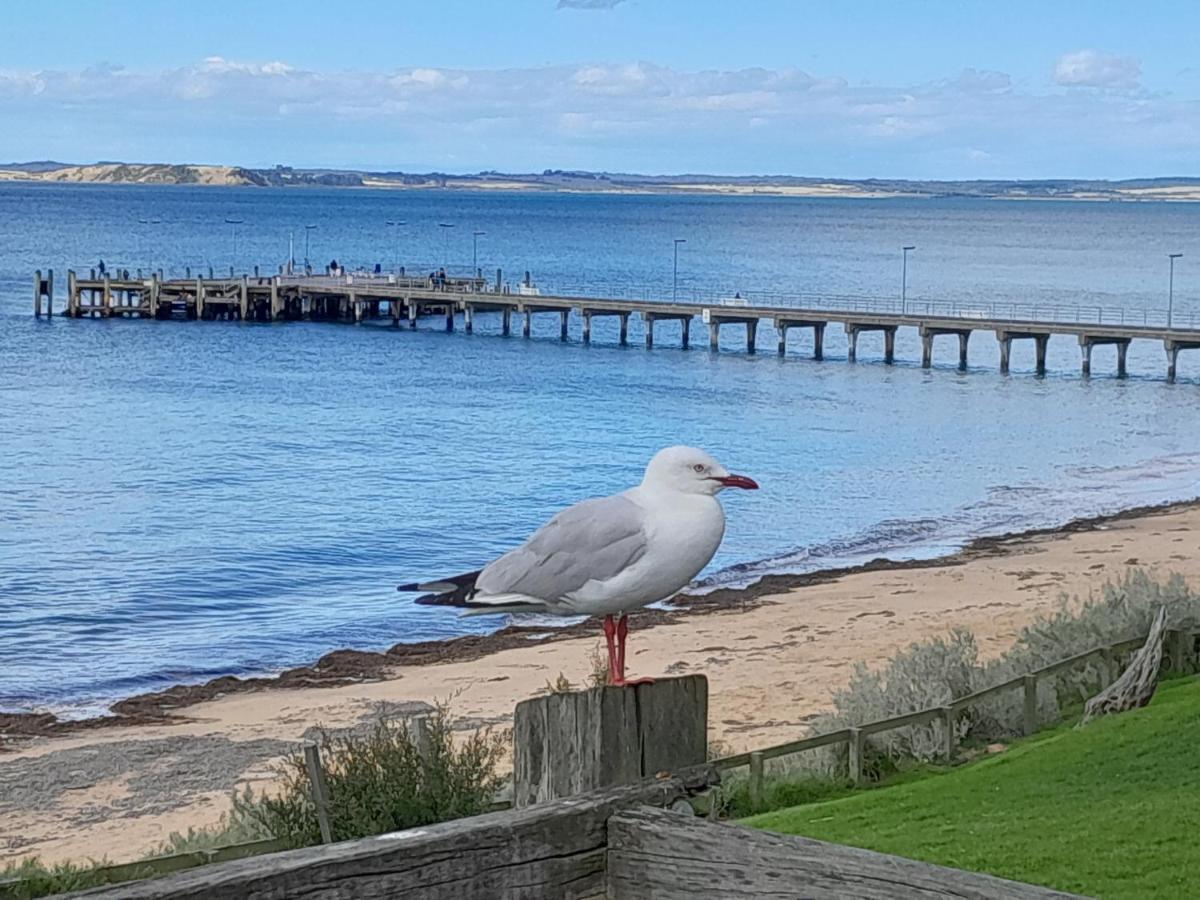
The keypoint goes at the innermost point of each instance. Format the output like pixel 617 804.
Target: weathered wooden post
pixel 687 327
pixel 155 292
pixel 106 298
pixel 568 743
pixel 756 780
pixel 624 333
pixel 564 317
pixel 276 307
pixel 964 340
pixel 527 328
pixel 648 318
pixel 587 326
pixel 781 330
pixel 714 335
pixel 854 758
pixel 948 736
pixel 72 294
pixel 852 343
pixel 469 318
pixel 506 321
pixel 244 299
pixel 320 790
pixel 1005 350
pixel 751 333
pixel 199 298
pixel 1041 342
pixel 37 293
pixel 889 345
pixel 1029 709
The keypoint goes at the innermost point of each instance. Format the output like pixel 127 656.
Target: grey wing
pixel 592 540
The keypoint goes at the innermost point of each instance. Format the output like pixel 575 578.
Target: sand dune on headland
pixel 118 792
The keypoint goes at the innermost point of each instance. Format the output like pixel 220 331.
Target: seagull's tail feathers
pixel 454 591
pixel 493 604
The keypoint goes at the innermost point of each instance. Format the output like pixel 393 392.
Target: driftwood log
pixel 658 855
pixel 1137 684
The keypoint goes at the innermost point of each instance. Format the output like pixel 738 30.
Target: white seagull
pixel 608 555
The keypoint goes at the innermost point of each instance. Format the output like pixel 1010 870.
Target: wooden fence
pixel 1180 650
pixel 1181 653
pixel 616 844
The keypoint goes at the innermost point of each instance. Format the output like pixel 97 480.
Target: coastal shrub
pixel 381 781
pixel 32 878
pixel 934 672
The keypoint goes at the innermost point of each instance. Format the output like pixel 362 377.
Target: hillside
pixel 564 181
pixel 1105 811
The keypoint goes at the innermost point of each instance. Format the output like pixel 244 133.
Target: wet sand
pixel 774 654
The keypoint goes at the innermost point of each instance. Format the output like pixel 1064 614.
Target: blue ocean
pixel 181 500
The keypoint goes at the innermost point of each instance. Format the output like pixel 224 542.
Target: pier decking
pixel 403 299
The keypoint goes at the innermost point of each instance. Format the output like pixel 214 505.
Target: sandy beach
pixel 773 655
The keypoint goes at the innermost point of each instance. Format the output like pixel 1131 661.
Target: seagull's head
pixel 692 471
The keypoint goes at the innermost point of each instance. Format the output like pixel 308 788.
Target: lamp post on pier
pixel 445 226
pixel 396 242
pixel 904 279
pixel 307 230
pixel 475 236
pixel 675 271
pixel 1171 288
pixel 234 223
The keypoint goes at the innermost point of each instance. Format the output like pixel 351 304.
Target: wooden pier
pixel 404 299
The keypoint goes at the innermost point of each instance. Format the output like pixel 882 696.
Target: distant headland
pixel 565 181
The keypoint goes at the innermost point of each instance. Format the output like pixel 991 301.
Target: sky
pixel 936 89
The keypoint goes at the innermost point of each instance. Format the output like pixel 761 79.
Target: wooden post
pixel 964 338
pixel 587 326
pixel 782 330
pixel 72 294
pixel 276 306
pixel 155 292
pixel 818 342
pixel 320 791
pixel 527 328
pixel 948 736
pixel 889 345
pixel 1085 348
pixel 412 313
pixel 852 343
pixel 1122 351
pixel 499 283
pixel 199 298
pixel 106 298
pixel 756 780
pixel 1040 342
pixel 420 734
pixel 356 307
pixel 855 756
pixel 624 329
pixel 564 317
pixel 687 327
pixel 714 335
pixel 1030 711
pixel 469 318
pixel 927 351
pixel 50 293
pixel 1005 351
pixel 244 299
pixel 37 293
pixel 751 333
pixel 449 316
pixel 505 318
pixel 648 318
pixel 1179 649
pixel 568 743
pixel 1172 359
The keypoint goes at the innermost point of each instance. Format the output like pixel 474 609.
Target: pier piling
pixel 648 319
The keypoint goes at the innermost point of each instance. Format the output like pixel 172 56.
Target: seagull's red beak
pixel 739 481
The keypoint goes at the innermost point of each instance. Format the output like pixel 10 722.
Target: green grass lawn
pixel 1111 810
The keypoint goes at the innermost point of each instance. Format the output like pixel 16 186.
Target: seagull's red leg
pixel 610 630
pixel 622 633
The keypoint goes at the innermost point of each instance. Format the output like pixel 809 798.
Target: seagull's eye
pixel 698 467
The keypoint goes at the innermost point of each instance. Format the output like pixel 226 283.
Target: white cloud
pixel 615 116
pixel 1095 68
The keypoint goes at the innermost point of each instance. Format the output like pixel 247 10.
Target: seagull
pixel 608 555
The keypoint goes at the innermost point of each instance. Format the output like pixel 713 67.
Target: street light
pixel 1171 288
pixel 475 235
pixel 396 241
pixel 445 226
pixel 675 271
pixel 235 223
pixel 307 229
pixel 904 279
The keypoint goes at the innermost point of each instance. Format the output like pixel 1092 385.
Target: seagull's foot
pixel 629 682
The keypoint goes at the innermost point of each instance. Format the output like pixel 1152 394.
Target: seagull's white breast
pixel 683 531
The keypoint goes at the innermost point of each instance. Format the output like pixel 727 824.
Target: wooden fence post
pixel 419 734
pixel 857 742
pixel 756 780
pixel 569 743
pixel 320 791
pixel 1030 716
pixel 948 736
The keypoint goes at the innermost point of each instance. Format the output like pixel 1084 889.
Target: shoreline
pixel 775 659
pixel 348 666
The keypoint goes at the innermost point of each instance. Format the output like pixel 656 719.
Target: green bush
pixel 380 782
